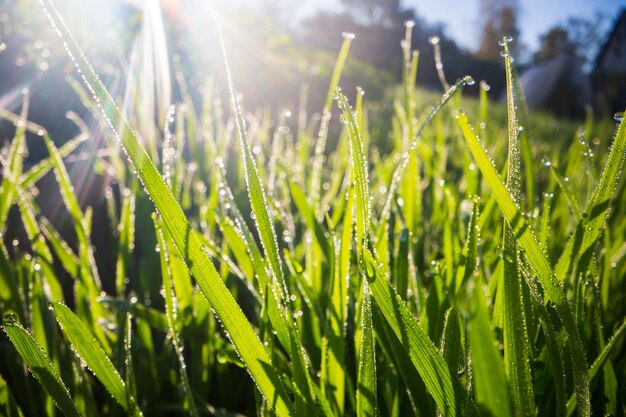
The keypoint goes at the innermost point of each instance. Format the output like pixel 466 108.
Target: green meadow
pixel 430 254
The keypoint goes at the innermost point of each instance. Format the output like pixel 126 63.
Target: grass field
pixel 441 255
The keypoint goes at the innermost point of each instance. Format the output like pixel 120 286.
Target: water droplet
pixel 409 23
pixel 434 40
pixel 468 80
pixel 348 35
pixel 619 116
pixel 504 54
pixel 10 318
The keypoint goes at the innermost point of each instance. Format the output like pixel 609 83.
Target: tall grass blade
pixel 89 349
pixel 320 144
pixel 423 353
pixel 171 313
pixel 490 383
pixel 359 168
pixel 366 382
pixel 241 332
pixel 516 346
pixel 598 364
pixel 582 241
pixel 537 259
pixel 40 366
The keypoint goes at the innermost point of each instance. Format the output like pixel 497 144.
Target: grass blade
pixel 537 259
pixel 588 231
pixel 241 332
pixel 366 383
pixel 171 313
pixel 598 364
pixel 89 349
pixel 40 366
pixel 516 345
pixel 423 353
pixel 359 168
pixel 491 385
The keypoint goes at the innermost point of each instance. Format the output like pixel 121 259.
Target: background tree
pixel 499 18
pixel 577 37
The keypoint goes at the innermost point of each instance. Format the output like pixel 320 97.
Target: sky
pixel 461 19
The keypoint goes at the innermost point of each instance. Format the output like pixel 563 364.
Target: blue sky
pixel 460 17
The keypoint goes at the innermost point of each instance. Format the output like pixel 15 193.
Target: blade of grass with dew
pixel 406 154
pixel 320 144
pixel 241 333
pixel 359 167
pixel 13 168
pixel 262 272
pixel 8 405
pixel 490 383
pixel 569 195
pixel 471 247
pixel 545 219
pixel 589 229
pixel 40 365
pixel 38 244
pixel 537 259
pixel 337 347
pixel 366 381
pixel 35 173
pixel 267 233
pixel 424 355
pixel 126 240
pixel 69 260
pixel 170 314
pixel 598 364
pixel 90 350
pixel 516 345
pixel 308 215
pixel 87 271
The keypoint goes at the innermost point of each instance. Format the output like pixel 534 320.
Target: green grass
pixel 260 270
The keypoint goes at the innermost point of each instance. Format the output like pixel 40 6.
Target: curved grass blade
pixel 490 383
pixel 241 332
pixel 406 154
pixel 366 382
pixel 536 258
pixel 598 364
pixel 569 195
pixel 13 167
pixel 90 350
pixel 320 144
pixel 34 174
pixel 359 167
pixel 590 227
pixel 423 353
pixel 40 366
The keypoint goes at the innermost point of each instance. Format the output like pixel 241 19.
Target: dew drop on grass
pixel 619 116
pixel 348 35
pixel 434 40
pixel 468 80
pixel 409 23
pixel 10 318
